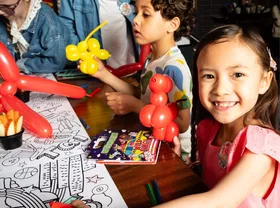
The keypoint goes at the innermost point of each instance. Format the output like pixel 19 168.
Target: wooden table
pixel 174 177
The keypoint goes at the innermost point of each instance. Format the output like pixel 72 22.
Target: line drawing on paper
pixel 63 180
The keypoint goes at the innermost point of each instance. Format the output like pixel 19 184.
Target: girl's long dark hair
pixel 266 106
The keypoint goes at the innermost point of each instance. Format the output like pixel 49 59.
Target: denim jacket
pixel 81 17
pixel 47 37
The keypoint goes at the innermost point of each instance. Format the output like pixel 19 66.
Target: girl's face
pixel 8 7
pixel 148 25
pixel 230 80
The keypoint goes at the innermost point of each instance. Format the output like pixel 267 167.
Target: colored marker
pixel 157 192
pixel 84 86
pixel 151 194
pixel 87 95
pixel 95 91
pixel 84 123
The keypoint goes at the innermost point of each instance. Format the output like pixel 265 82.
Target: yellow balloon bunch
pixel 85 50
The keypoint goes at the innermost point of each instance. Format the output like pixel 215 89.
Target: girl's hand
pixel 122 103
pixel 79 204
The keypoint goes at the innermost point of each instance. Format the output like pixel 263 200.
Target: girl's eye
pixel 237 75
pixel 208 76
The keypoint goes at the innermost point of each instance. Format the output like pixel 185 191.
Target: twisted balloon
pixel 159 114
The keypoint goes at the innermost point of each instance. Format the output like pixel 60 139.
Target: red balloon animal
pixel 14 80
pixel 159 114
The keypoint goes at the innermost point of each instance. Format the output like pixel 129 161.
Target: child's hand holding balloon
pixel 85 51
pixel 99 64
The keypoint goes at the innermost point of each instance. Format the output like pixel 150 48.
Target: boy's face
pixel 148 25
pixel 230 80
pixel 8 7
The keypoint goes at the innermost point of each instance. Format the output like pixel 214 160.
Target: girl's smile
pixel 224 105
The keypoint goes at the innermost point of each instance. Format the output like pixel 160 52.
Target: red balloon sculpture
pixel 14 80
pixel 130 68
pixel 159 114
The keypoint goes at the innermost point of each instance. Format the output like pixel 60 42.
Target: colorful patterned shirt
pixel 174 65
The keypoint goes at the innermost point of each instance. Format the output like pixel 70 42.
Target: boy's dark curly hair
pixel 183 9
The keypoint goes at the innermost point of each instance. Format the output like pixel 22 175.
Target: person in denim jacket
pixel 34 35
pixel 82 16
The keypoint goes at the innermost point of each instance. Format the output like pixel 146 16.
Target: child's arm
pixel 233 189
pixel 116 83
pixel 122 103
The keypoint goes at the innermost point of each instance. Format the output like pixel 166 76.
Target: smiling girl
pixel 233 121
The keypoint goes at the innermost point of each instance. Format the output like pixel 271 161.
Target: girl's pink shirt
pixel 254 138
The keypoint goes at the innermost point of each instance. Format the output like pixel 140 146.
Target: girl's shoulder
pixel 46 9
pixel 258 140
pixel 47 14
pixel 262 140
pixel 48 22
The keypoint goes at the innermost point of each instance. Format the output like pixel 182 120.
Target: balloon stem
pixel 95 29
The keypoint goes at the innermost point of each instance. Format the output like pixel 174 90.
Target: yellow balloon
pixel 89 67
pixel 83 67
pixel 93 45
pixel 92 66
pixel 72 53
pixel 82 46
pixel 95 52
pixel 103 54
pixel 85 55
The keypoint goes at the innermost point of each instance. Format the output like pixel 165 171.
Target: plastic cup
pixel 11 142
pixel 23 95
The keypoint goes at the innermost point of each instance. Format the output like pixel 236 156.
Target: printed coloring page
pixel 63 180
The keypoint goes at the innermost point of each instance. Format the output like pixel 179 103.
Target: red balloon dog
pixel 159 114
pixel 13 80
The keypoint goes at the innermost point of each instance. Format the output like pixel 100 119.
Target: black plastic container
pixel 23 95
pixel 11 142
